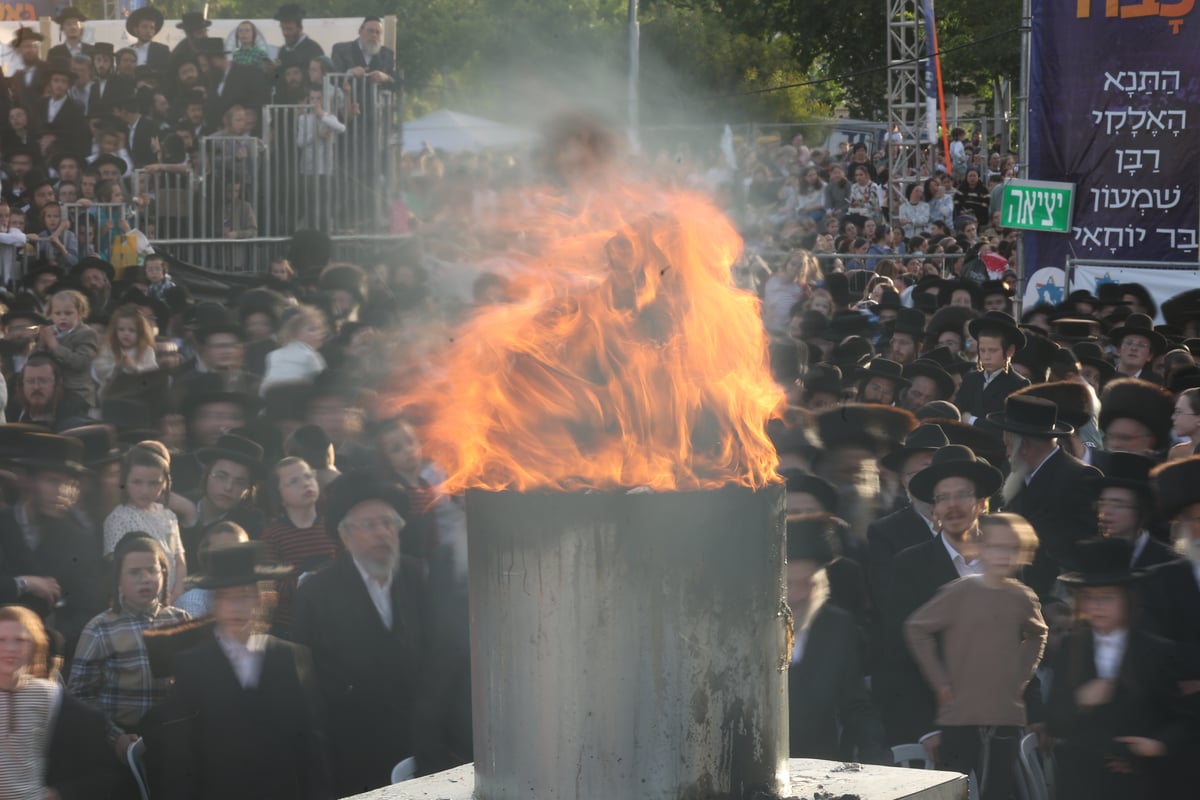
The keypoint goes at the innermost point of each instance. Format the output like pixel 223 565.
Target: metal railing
pixel 107 230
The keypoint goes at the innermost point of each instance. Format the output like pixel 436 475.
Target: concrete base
pixel 811 780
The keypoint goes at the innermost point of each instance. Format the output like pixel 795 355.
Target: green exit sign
pixel 1037 206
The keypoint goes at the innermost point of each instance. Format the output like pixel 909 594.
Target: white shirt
pixel 246 659
pixel 1029 477
pixel 1139 544
pixel 380 594
pixel 1110 648
pixel 961 565
pixel 988 377
pixel 142 51
pixel 799 640
pixel 53 107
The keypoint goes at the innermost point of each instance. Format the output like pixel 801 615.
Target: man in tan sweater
pixel 992 636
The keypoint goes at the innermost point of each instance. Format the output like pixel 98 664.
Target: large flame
pixel 629 359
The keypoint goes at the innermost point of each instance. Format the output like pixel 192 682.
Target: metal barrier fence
pixel 254 255
pixel 107 230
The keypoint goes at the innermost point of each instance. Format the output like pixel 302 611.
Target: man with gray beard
pixel 364 619
pixel 1046 485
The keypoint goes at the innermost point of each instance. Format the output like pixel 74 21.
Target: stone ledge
pixel 811 780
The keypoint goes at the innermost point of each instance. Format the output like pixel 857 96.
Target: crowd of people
pixel 100 142
pixel 223 556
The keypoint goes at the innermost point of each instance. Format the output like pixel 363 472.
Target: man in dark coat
pixel 956 485
pixel 366 57
pixel 297 49
pixel 364 618
pixel 230 84
pixel 59 114
pixel 47 535
pixel 144 24
pixel 1125 506
pixel 107 85
pixel 246 703
pixel 1047 485
pixel 984 390
pixel 70 23
pixel 1172 595
pixel 826 688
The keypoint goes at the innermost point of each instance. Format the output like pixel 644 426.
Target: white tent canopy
pixel 455 132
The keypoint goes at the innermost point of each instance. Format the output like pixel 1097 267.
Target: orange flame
pixel 629 360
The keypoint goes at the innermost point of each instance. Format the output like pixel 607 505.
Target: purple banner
pixel 1115 109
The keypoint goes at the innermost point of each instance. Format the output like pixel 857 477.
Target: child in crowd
pixel 146 480
pixel 129 348
pixel 111 671
pixel 118 241
pixel 197 601
pixel 57 243
pixel 992 636
pixel 71 343
pixel 302 332
pixel 12 241
pixel 156 274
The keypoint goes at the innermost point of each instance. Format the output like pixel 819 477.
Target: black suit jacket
pixel 905 701
pixel 826 689
pixel 229 743
pixel 100 102
pixel 158 58
pixel 886 538
pixel 973 398
pixel 67 552
pixel 348 55
pixel 1171 598
pixel 70 126
pixel 369 676
pixel 1154 554
pixel 80 765
pixel 140 148
pixel 1057 503
pixel 1144 703
pixel 245 86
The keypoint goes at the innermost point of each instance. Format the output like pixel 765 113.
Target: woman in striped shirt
pixel 297 536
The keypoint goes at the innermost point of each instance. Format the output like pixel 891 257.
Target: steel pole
pixel 1023 137
pixel 634 67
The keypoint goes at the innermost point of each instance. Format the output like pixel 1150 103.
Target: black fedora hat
pixel 232 447
pixel 100 445
pixel 796 480
pixel 289 12
pixel 1073 399
pixel 1139 325
pixel 1175 485
pixel 109 158
pixel 1090 354
pixel 1123 470
pixel 986 441
pixel 103 49
pixel 868 425
pixel 925 438
pixel 131 417
pixel 139 14
pixel 1030 416
pixel 211 46
pixel 70 12
pixel 54 453
pixel 193 21
pixel 1076 329
pixel 910 321
pixel 997 322
pixel 1110 294
pixel 925 368
pixel 93 262
pixel 889 299
pixel 813 537
pixel 14 439
pixel 239 565
pixel 823 377
pixel 1102 562
pixel 165 642
pixel 955 461
pixel 944 358
pixel 24 34
pixel 1036 356
pixel 1080 296
pixel 991 287
pixel 883 368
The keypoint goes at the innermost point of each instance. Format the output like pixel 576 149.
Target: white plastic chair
pixel 136 755
pixel 406 770
pixel 1031 769
pixel 904 755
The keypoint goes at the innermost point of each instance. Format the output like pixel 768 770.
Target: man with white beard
pixel 364 618
pixel 1046 485
pixel 366 57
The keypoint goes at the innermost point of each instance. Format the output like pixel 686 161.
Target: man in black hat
pixel 144 24
pixel 46 536
pixel 880 382
pixel 1125 507
pixel 221 352
pixel 140 130
pixel 27 79
pixel 907 333
pixel 21 324
pixel 230 84
pixel 106 85
pixel 1135 416
pixel 94 276
pixel 910 525
pixel 70 25
pixel 822 387
pixel 297 48
pixel 928 382
pixel 58 113
pixel 984 390
pixel 1045 485
pixel 365 620
pixel 245 701
pixel 1172 597
pixel 826 691
pixel 195 29
pixel 1137 344
pixel 956 486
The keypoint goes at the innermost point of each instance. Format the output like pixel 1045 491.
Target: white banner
pixel 1163 284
